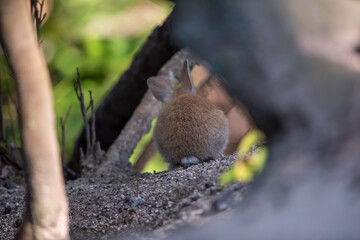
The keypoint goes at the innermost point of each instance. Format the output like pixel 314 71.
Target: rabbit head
pixel 162 90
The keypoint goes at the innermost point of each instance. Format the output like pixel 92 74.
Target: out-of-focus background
pixel 100 37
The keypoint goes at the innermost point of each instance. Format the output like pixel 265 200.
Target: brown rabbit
pixel 190 128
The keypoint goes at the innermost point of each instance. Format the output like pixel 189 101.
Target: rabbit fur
pixel 190 127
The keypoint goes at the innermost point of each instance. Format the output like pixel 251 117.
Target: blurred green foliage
pixel 100 37
pixel 251 158
pixel 156 162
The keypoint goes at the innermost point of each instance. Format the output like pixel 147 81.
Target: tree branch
pixel 80 96
pixel 47 208
pixel 93 129
pixel 37 13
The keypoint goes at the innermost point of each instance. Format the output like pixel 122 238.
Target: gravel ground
pixel 139 205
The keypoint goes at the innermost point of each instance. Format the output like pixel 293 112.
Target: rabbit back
pixel 191 126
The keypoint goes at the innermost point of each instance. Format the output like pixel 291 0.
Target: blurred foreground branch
pixel 47 208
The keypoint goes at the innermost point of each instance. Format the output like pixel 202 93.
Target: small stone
pixel 137 202
pixel 9 185
pixel 238 186
pixel 159 223
pixel 195 197
pixel 127 199
pixel 18 222
pixel 188 161
pixel 214 189
pixel 170 204
pixel 224 201
pixel 186 203
pixel 7 209
pixel 208 184
pixel 181 215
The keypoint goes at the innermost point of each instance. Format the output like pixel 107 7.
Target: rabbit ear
pixel 186 81
pixel 160 88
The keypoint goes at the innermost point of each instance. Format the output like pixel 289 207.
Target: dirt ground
pixel 147 206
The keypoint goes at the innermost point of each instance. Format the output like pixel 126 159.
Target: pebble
pixel 208 184
pixel 9 185
pixel 214 189
pixel 18 222
pixel 224 201
pixel 137 202
pixel 238 186
pixel 7 209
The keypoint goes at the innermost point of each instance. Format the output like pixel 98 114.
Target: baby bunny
pixel 190 128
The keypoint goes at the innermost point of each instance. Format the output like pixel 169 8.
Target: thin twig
pixel 41 16
pixel 88 107
pixel 2 122
pixel 67 113
pixel 80 96
pixel 63 136
pixel 37 13
pixel 93 132
pixel 63 143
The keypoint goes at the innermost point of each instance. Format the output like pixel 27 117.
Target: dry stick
pixel 2 122
pixel 37 15
pixel 80 96
pixel 93 133
pixel 63 136
pixel 41 16
pixel 46 205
